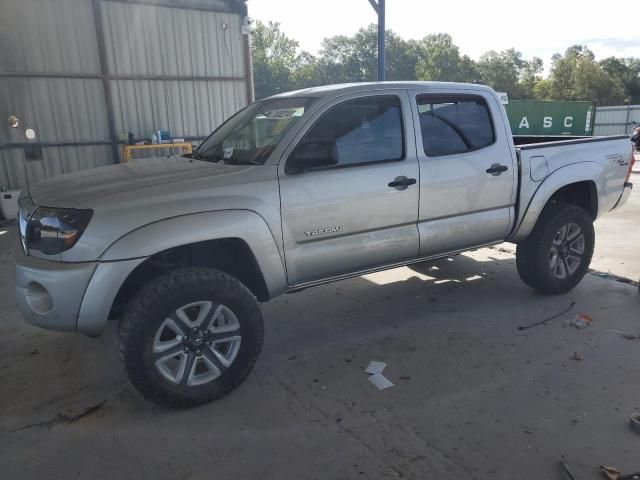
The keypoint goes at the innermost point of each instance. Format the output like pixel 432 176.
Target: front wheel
pixel 557 253
pixel 189 337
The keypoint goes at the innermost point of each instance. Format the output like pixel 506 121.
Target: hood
pixel 76 190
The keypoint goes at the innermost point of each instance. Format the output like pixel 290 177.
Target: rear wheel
pixel 189 337
pixel 557 253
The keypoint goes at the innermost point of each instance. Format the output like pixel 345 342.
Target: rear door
pixel 468 179
pixel 347 218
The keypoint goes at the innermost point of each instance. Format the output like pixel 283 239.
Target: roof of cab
pixel 342 88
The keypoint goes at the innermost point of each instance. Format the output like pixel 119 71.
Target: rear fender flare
pixel 574 173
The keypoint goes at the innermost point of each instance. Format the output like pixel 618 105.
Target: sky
pixel 541 28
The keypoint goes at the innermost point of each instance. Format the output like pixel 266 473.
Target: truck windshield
pixel 250 135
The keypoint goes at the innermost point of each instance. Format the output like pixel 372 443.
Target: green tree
pixel 577 76
pixel 275 58
pixel 354 58
pixel 439 59
pixel 306 73
pixel 542 90
pixel 502 70
pixel 530 77
pixel 627 72
pixel 279 66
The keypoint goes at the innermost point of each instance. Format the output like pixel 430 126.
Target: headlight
pixel 55 230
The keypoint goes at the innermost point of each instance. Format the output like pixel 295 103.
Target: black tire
pixel 533 256
pixel 162 297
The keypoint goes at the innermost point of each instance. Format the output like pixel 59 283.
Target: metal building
pixel 618 120
pixel 84 73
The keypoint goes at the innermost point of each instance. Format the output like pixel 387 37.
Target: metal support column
pixel 106 83
pixel 626 122
pixel 379 8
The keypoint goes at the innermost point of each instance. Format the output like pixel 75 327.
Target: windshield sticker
pixel 278 114
pixel 228 153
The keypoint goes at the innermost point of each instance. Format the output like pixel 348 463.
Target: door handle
pixel 401 183
pixel 496 169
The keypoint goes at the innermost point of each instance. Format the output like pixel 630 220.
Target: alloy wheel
pixel 567 251
pixel 196 343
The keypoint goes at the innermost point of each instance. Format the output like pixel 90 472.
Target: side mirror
pixel 312 154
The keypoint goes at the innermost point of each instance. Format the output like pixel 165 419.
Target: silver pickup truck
pixel 293 191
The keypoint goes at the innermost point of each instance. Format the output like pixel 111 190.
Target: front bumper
pixel 68 296
pixel 628 186
pixel 50 293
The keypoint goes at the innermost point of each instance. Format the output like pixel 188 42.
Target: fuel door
pixel 539 168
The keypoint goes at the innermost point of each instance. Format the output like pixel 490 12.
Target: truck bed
pixel 600 161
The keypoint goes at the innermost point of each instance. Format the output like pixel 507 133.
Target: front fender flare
pixel 173 232
pixel 130 250
pixel 574 173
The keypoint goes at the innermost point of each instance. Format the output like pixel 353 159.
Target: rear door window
pixel 454 124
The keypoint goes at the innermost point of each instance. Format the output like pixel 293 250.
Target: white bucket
pixel 9 204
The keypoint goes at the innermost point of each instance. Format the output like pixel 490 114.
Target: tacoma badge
pixel 324 230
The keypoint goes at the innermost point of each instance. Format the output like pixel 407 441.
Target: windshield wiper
pixel 207 157
pixel 242 162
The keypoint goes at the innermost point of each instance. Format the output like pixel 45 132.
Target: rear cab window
pixel 454 124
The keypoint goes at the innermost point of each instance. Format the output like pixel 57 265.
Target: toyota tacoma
pixel 293 191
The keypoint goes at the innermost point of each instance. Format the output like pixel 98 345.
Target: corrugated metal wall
pixel 37 37
pixel 617 120
pixel 172 64
pixel 191 68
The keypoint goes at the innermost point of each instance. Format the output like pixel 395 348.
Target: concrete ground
pixel 474 397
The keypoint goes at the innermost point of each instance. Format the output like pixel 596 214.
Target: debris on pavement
pixel 578 356
pixel 565 468
pixel 380 381
pixel 582 320
pixel 542 322
pixel 375 367
pixel 612 473
pixel 634 422
pixel 625 335
pixel 375 375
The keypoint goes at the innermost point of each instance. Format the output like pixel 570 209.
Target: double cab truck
pixel 293 191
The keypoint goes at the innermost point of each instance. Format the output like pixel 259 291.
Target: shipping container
pixel 82 74
pixel 540 117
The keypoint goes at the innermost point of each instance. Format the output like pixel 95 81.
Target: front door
pixel 362 212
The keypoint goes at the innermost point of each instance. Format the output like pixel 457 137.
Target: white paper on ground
pixel 380 381
pixel 375 367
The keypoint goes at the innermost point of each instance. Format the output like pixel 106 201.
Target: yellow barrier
pixel 126 149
